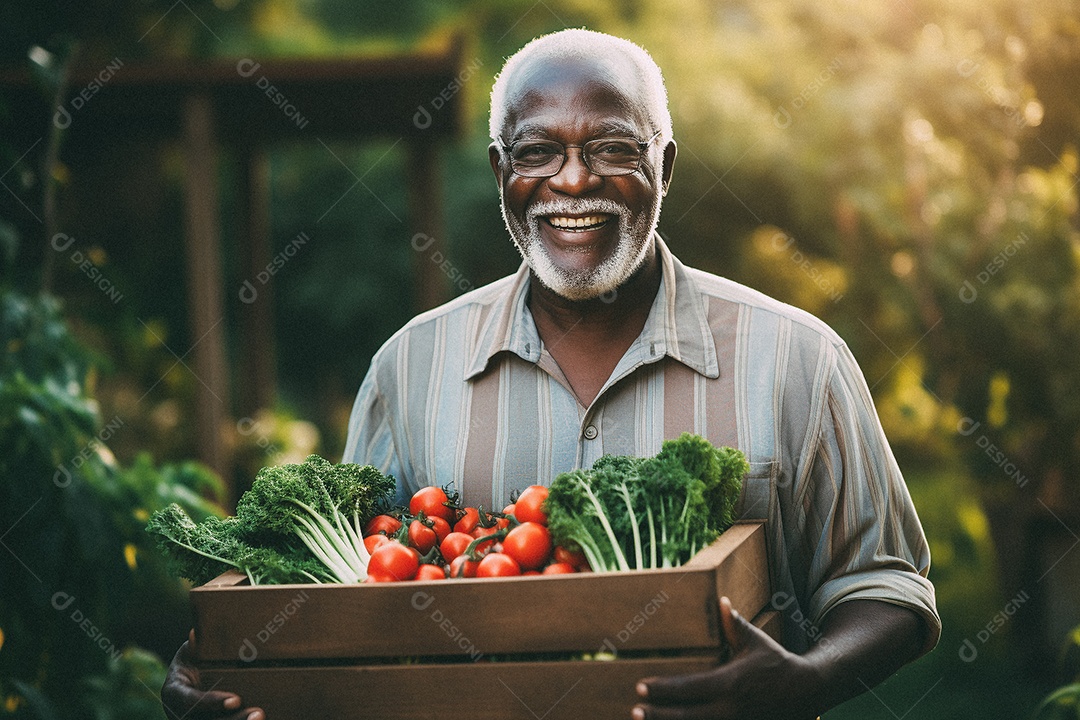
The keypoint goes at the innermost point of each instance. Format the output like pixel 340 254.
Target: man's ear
pixel 495 158
pixel 669 163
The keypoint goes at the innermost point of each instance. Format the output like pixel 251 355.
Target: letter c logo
pixel 62 601
pixel 422 600
pixel 422 118
pixel 247 67
pixel 966 426
pixel 782 118
pixel 62 118
pixel 59 238
pixel 248 651
pixel 420 238
pixel 62 477
pixel 248 293
pixel 968 293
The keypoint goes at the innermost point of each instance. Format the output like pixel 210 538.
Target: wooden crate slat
pixel 598 690
pixel 649 609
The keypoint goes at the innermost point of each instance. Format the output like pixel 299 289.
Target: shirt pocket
pixel 758 493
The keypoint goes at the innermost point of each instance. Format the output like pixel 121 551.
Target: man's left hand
pixel 761 680
pixel 862 642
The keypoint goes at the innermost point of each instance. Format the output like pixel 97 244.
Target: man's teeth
pixel 569 223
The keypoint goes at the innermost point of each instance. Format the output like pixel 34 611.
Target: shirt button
pixel 590 432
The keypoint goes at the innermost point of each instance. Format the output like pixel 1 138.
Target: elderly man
pixel 603 342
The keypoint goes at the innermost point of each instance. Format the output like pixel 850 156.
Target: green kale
pixel 628 512
pixel 298 523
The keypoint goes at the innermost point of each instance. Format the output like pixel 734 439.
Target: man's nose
pixel 575 177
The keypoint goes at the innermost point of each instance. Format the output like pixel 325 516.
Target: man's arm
pixel 862 643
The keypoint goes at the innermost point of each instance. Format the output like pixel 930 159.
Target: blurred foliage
pixel 1064 703
pixel 83 584
pixel 906 172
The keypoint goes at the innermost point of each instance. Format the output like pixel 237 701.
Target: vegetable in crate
pixel 297 524
pixel 630 513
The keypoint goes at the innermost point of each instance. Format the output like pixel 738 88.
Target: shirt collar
pixel 677 325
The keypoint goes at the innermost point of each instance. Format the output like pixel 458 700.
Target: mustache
pixel 576 206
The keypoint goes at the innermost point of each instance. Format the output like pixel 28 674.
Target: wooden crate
pixel 335 650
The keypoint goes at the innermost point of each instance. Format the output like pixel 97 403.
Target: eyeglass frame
pixel 584 157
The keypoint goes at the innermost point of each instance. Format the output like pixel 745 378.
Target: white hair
pixel 588 45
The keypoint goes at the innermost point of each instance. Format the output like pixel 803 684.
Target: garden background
pixel 906 171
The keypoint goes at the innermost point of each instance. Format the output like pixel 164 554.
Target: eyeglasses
pixel 604 156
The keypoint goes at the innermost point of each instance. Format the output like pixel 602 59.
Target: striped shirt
pixel 467 394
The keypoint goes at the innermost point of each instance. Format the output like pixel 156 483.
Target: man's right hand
pixel 182 698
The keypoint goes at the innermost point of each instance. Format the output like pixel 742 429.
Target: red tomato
pixel 509 510
pixel 497 565
pixel 530 505
pixel 468 521
pixel 373 541
pixel 384 524
pixel 421 536
pixel 441 528
pixel 559 568
pixel 531 572
pixel 577 559
pixel 454 544
pixel 378 578
pixel 480 531
pixel 431 572
pixel 462 566
pixel 431 501
pixel 393 561
pixel 530 544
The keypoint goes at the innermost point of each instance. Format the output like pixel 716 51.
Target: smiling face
pixel 581 234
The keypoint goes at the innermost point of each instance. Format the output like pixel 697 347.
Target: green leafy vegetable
pixel 297 524
pixel 629 513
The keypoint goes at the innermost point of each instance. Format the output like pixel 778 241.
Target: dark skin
pixel 183 698
pixel 861 643
pixel 567 102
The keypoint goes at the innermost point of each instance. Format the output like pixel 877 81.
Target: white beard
pixel 611 273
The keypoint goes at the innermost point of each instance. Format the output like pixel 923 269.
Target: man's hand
pixel 862 643
pixel 761 680
pixel 183 699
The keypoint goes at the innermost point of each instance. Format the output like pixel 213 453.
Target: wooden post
pixel 425 216
pixel 205 309
pixel 257 379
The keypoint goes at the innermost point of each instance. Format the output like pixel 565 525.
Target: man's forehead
pixel 550 87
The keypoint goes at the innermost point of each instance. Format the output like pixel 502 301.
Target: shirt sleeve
pixel 862 536
pixel 370 439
